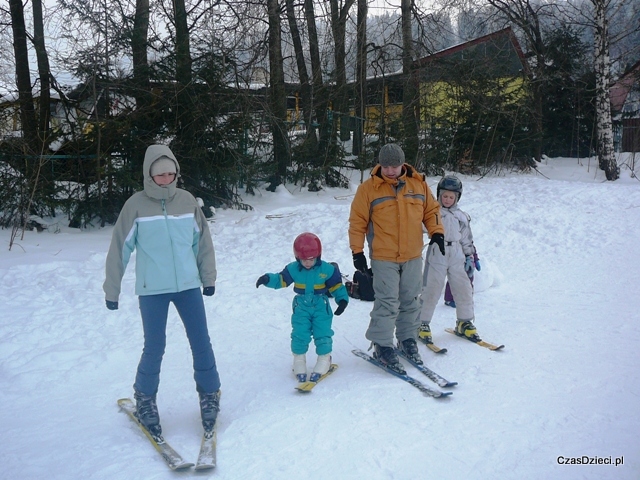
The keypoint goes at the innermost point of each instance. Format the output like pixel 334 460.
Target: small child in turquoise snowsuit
pixel 314 281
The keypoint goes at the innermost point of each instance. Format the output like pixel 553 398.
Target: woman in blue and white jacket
pixel 175 257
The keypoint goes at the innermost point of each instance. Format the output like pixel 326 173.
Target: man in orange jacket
pixel 389 209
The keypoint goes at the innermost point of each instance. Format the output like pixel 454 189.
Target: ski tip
pixel 444 394
pixel 205 466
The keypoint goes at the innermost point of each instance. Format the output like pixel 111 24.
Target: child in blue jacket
pixel 314 281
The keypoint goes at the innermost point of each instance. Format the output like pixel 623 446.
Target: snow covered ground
pixel 560 251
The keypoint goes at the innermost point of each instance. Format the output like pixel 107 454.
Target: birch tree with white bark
pixel 604 127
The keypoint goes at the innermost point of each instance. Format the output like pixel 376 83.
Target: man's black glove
pixel 208 291
pixel 439 239
pixel 342 304
pixel 111 305
pixel 360 262
pixel 263 280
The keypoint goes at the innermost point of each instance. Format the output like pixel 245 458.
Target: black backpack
pixel 361 287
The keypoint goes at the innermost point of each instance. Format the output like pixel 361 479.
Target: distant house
pixel 625 109
pixel 81 108
pixel 10 124
pixel 496 56
pixel 493 64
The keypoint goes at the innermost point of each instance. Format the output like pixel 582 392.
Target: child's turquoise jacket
pixel 312 314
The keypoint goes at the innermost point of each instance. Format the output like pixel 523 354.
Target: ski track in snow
pixel 558 286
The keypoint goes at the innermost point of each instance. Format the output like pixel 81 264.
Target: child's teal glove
pixel 468 266
pixel 476 261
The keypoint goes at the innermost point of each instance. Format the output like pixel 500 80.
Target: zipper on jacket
pixel 166 219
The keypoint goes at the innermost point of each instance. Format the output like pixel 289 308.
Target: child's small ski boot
pixel 322 366
pixel 300 367
pixel 467 329
pixel 424 333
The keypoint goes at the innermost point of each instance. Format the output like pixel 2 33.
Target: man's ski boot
pixel 300 367
pixel 410 348
pixel 322 366
pixel 467 329
pixel 424 332
pixel 450 303
pixel 147 413
pixel 387 356
pixel 209 408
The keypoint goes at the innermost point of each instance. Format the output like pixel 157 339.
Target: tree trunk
pixel 306 91
pixel 43 72
pixel 606 155
pixel 139 43
pixel 277 96
pixel 30 138
pixel 320 97
pixel 361 77
pixel 339 27
pixel 410 104
pixel 183 68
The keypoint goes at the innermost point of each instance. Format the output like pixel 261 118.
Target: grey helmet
pixel 450 183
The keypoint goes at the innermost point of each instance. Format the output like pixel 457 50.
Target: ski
pixel 306 387
pixel 207 456
pixel 482 343
pixel 431 375
pixel 419 385
pixel 433 347
pixel 172 458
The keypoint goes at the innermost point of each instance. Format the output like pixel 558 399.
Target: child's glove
pixel 439 239
pixel 360 262
pixel 342 304
pixel 111 305
pixel 476 261
pixel 263 280
pixel 468 265
pixel 208 291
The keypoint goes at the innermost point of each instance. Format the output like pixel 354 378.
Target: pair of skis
pixel 432 392
pixel 306 387
pixel 175 461
pixel 433 376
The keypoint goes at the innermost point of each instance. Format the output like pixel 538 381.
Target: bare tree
pixel 277 95
pixel 306 90
pixel 361 76
pixel 139 46
pixel 43 71
pixel 410 103
pixel 604 129
pixel 31 140
pixel 339 16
